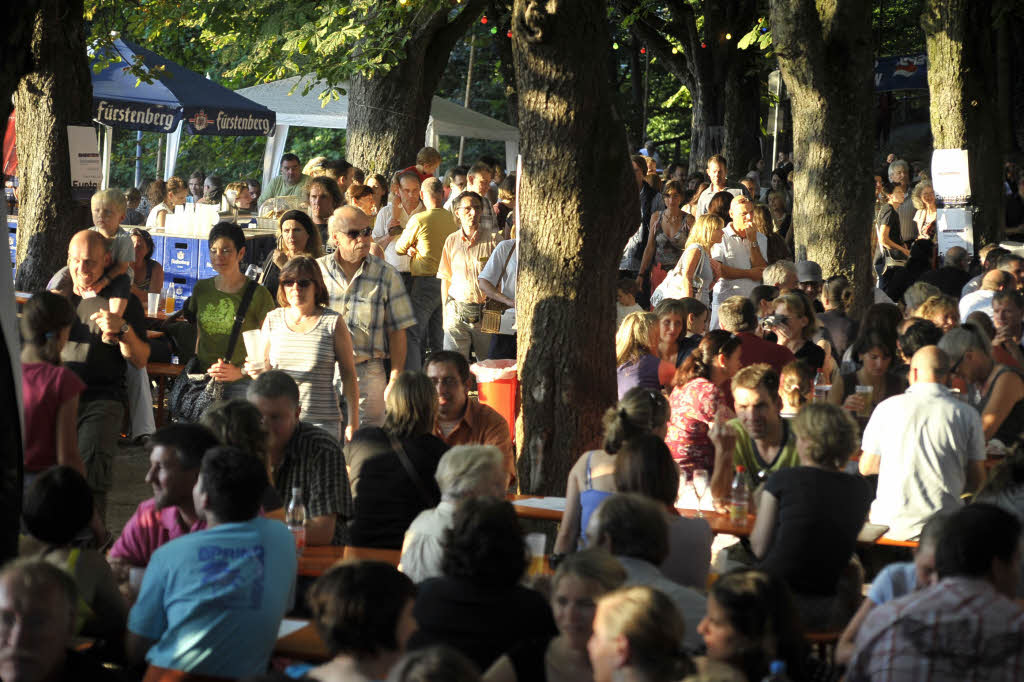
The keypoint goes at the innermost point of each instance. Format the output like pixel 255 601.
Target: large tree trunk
pixel 824 51
pixel 387 114
pixel 56 92
pixel 578 204
pixel 15 61
pixel 962 80
pixel 706 126
pixel 742 116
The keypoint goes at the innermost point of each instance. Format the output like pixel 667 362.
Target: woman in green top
pixel 214 304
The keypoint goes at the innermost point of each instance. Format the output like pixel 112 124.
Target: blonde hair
pixel 937 304
pixel 795 383
pixel 915 196
pixel 703 230
pixel 653 627
pixel 829 431
pixel 633 340
pixel 799 304
pixel 111 197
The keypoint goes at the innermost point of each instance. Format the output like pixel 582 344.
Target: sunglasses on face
pixel 301 283
pixel 356 234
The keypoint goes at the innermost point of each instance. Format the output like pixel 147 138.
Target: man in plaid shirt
pixel 966 627
pixel 369 295
pixel 303 456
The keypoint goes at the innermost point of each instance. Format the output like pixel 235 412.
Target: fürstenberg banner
pixel 200 121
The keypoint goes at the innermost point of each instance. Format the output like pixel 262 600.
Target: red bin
pixel 497 384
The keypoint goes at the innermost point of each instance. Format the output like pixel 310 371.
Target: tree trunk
pixel 962 80
pixel 15 61
pixel 824 51
pixel 742 116
pixel 705 134
pixel 388 113
pixel 578 204
pixel 55 92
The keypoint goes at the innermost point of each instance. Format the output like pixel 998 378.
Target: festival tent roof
pixel 176 94
pixel 298 109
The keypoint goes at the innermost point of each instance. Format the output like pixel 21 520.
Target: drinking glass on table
pixel 681 492
pixel 700 486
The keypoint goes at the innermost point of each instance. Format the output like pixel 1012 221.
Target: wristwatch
pixel 124 330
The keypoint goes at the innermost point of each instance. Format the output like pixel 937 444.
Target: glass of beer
pixel 865 392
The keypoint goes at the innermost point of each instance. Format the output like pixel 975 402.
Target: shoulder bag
pixel 425 497
pixel 672 285
pixel 191 395
pixel 493 310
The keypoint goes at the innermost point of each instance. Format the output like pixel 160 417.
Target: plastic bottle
pixel 821 387
pixel 295 517
pixel 777 673
pixel 739 500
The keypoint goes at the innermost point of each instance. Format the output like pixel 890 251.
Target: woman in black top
pixel 391 468
pixel 809 517
pixel 888 229
pixel 796 325
pixel 296 236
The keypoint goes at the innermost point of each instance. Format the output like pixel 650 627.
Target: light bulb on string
pixel 483 20
pixel 494 30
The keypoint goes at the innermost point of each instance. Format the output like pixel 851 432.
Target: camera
pixel 774 321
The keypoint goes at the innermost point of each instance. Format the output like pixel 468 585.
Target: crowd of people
pixel 734 361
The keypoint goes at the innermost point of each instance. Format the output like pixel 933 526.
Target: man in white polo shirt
pixel 927 447
pixel 741 255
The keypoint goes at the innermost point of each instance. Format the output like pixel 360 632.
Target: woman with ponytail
pixel 641 411
pixel 50 391
pixel 701 388
pixel 796 386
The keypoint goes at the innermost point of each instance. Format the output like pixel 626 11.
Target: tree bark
pixel 55 92
pixel 579 204
pixel 387 114
pixel 15 61
pixel 963 83
pixel 824 50
pixel 742 115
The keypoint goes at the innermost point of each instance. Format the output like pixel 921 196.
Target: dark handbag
pixel 190 396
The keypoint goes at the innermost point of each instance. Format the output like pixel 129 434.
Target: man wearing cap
pixel 808 273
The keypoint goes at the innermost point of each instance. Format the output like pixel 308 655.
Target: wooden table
pixel 303 644
pixel 534 512
pixel 315 561
pixel 721 522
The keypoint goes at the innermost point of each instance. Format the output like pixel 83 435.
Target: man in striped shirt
pixel 370 296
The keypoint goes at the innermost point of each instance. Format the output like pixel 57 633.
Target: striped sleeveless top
pixel 308 357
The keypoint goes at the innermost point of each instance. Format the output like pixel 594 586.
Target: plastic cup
pixel 153 301
pixel 535 543
pixel 254 347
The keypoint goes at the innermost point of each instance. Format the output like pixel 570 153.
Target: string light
pixel 703 44
pixel 483 20
pixel 615 46
pixel 494 30
pixel 728 36
pixel 509 34
pixel 643 50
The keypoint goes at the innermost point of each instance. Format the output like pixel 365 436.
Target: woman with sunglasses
pixel 304 339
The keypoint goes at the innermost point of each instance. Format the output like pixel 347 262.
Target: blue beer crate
pixel 183 286
pixel 181 256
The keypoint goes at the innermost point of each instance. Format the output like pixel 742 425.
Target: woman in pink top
pixel 701 385
pixel 50 391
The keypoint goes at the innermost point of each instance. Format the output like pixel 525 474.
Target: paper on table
pixel 553 503
pixel 289 626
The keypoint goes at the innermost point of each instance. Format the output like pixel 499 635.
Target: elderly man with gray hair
pixel 465 471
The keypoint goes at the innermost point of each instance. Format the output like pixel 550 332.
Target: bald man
pixel 371 298
pixel 740 256
pixel 927 447
pixel 993 282
pixel 99 348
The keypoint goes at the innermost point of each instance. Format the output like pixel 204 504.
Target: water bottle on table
pixel 739 500
pixel 295 517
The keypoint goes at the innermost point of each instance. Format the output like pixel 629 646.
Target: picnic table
pixel 301 642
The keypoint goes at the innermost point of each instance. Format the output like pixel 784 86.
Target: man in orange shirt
pixel 462 420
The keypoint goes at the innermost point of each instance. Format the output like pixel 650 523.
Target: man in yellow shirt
pixel 423 241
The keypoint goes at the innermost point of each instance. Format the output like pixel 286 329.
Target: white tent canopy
pixel 446 118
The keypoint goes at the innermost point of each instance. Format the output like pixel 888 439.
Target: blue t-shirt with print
pixel 213 600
